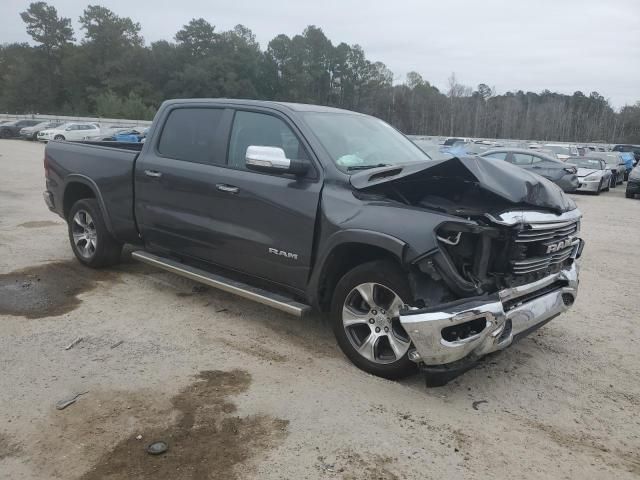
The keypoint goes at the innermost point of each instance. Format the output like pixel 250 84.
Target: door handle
pixel 227 188
pixel 153 173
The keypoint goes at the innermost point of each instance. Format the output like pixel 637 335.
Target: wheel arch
pixel 345 250
pixel 78 187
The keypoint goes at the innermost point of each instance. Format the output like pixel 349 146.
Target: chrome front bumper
pixel 509 314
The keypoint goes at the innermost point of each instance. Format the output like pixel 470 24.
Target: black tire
pixel 5 133
pixel 59 137
pixel 614 181
pixel 388 277
pixel 628 194
pixel 106 250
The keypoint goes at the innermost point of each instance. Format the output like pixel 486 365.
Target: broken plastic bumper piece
pixel 466 330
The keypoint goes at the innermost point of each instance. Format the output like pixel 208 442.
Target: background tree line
pixel 107 70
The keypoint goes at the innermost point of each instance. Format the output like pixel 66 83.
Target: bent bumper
pixel 590 185
pixel 507 315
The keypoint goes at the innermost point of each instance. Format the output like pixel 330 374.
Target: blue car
pixel 629 160
pixel 131 136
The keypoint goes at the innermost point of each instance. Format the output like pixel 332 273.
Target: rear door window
pixel 498 155
pixel 522 159
pixel 190 134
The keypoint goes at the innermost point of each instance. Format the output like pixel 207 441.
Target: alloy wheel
pixel 84 233
pixel 371 320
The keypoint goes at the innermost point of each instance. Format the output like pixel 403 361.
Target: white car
pixel 69 131
pixel 562 151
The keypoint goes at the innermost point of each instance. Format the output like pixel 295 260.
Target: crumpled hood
pixel 584 172
pixel 514 184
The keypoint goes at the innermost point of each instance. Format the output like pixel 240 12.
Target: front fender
pixel 390 244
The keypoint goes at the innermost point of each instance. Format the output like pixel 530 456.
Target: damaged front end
pixel 508 283
pixel 504 263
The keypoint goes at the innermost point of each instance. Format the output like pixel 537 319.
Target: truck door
pixel 265 222
pixel 194 200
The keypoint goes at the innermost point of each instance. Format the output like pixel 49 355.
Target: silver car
pixel 615 163
pixel 593 174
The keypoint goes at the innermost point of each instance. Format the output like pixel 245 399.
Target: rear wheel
pixel 90 240
pixel 365 317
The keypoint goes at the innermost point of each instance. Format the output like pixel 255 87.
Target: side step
pixel 264 297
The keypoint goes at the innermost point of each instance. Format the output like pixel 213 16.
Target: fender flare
pixel 391 244
pixel 79 178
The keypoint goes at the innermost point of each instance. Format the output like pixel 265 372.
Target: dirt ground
pixel 239 390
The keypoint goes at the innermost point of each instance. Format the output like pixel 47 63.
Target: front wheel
pixel 90 240
pixel 614 181
pixel 365 316
pixel 59 137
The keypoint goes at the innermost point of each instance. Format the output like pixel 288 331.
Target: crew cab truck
pixel 417 262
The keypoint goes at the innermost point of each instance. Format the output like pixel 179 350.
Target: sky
pixel 530 45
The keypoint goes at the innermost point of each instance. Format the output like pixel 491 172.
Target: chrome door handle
pixel 153 173
pixel 227 188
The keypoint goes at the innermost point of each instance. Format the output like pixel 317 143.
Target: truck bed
pixel 107 168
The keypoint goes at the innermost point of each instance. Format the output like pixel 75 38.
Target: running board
pixel 258 295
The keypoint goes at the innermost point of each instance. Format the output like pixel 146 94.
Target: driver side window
pixel 259 129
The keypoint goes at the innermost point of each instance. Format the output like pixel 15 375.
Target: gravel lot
pixel 242 391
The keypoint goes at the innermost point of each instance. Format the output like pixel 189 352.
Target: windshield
pixel 612 160
pixel 357 141
pixel 587 163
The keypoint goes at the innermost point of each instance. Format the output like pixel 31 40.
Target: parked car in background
pixel 68 131
pixel 31 133
pixel 629 162
pixel 128 136
pixel 562 151
pixel 614 163
pixel 434 150
pixel 635 149
pixel 544 165
pixel 453 140
pixel 593 174
pixel 12 129
pixel 633 185
pixel 107 132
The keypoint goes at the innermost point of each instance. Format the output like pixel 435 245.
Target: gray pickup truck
pixel 417 262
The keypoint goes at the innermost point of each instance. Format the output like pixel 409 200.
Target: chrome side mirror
pixel 273 160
